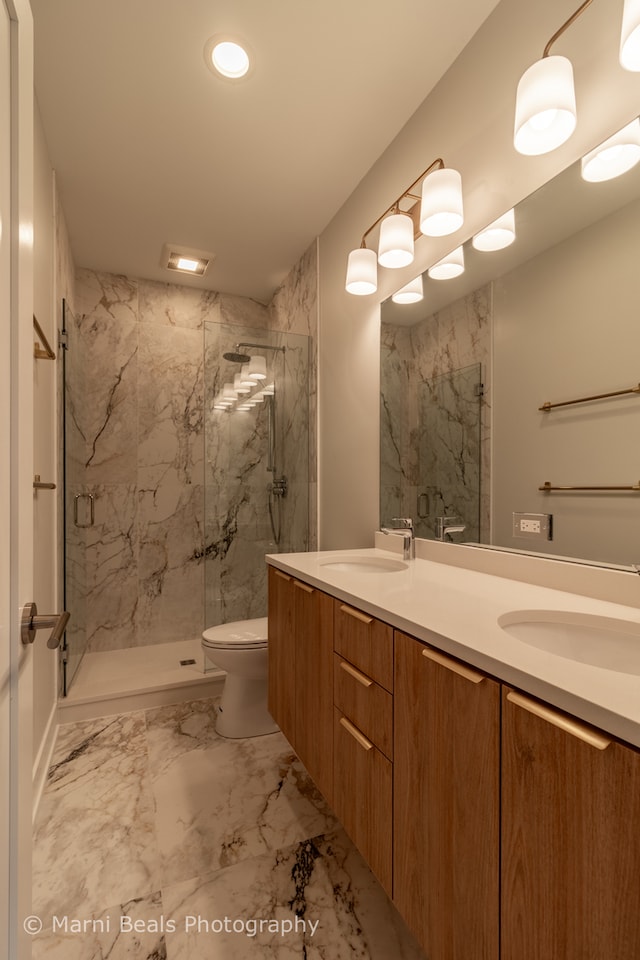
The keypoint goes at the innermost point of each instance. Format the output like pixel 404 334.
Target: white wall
pixel 468 121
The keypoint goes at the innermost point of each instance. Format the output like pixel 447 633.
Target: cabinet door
pixel 314 683
pixel 282 677
pixel 363 796
pixel 571 843
pixel 446 803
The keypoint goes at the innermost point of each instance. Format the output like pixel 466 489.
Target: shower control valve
pixel 279 487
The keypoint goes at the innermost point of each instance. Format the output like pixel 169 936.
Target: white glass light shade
pixel 441 207
pixel 449 267
pixel 244 376
pixel 269 390
pixel 228 393
pixel 615 156
pixel 498 235
pixel 362 272
pixel 630 36
pixel 412 292
pixel 256 398
pixel 257 368
pixel 239 386
pixel 395 246
pixel 244 406
pixel 218 405
pixel 545 106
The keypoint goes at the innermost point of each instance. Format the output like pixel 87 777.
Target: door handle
pixel 31 621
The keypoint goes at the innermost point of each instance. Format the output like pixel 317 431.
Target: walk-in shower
pixel 171 502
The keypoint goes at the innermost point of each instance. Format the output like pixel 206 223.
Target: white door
pixel 16 469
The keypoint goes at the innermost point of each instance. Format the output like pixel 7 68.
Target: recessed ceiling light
pixel 227 57
pixel 184 263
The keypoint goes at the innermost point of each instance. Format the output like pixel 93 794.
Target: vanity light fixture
pixel 449 267
pixel 438 211
pixel 630 36
pixel 245 379
pixel 412 292
pixel 269 390
pixel 229 395
pixel 546 100
pixel 498 235
pixel 615 156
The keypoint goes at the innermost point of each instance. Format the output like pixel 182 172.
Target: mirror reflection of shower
pixel 249 388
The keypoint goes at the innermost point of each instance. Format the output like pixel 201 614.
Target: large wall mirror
pixel 551 319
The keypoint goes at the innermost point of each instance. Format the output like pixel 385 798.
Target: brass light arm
pixel 574 16
pixel 395 206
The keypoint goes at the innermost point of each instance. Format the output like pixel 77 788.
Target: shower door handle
pixel 92 513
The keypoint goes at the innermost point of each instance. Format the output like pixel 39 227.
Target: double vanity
pixel 479 739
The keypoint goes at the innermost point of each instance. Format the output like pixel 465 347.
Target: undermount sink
pixel 365 565
pixel 582 637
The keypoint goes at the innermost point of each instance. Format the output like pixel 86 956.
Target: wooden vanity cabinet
pixel 300 684
pixel 446 803
pixel 570 838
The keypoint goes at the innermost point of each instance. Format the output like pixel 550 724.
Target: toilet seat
pixel 241 635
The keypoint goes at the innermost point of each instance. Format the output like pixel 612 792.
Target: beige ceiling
pixel 150 147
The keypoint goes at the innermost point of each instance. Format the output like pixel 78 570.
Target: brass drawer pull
pixel 355 733
pixel 453 665
pixel 356 614
pixel 283 576
pixel 303 586
pixel 360 677
pixel 573 727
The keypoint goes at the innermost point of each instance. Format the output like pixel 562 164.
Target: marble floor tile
pixel 221 801
pixel 94 842
pixel 316 900
pixel 128 931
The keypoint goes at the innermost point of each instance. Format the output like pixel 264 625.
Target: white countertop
pixel 461 607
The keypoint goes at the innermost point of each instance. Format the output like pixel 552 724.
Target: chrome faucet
pixel 403 529
pixel 446 526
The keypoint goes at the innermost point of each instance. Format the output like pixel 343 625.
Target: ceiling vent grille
pixel 185 259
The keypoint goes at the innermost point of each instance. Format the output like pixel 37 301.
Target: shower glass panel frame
pixel 77 503
pixel 256 469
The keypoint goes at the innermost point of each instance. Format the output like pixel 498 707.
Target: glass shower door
pixel 256 467
pixel 78 503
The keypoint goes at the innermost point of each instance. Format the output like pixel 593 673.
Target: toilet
pixel 240 648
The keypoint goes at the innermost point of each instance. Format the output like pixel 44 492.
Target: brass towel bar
pixel 546 487
pixel 598 396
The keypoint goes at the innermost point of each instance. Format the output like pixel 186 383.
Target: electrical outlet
pixel 535 526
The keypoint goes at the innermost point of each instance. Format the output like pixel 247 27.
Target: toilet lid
pixel 241 635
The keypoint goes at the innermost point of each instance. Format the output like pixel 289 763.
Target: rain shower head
pixel 237 357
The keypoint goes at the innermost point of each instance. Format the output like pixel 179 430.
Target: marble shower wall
pixel 136 415
pixel 417 364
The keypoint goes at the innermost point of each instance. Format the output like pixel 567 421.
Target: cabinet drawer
pixel 363 796
pixel 365 642
pixel 363 701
